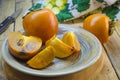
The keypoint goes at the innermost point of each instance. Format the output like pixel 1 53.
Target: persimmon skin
pixel 41 23
pixel 98 24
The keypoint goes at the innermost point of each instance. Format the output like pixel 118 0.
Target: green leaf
pixel 83 7
pixel 111 11
pixel 35 7
pixel 80 1
pixel 64 16
pixel 100 1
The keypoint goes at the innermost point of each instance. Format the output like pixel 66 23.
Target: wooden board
pixel 13 74
pixel 5 11
pixel 111 50
pixel 107 72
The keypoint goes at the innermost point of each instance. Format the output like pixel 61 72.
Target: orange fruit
pixel 23 47
pixel 63 50
pixel 41 23
pixel 71 39
pixel 98 24
pixel 42 59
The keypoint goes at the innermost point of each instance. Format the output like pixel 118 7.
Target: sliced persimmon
pixel 23 47
pixel 71 39
pixel 42 59
pixel 63 50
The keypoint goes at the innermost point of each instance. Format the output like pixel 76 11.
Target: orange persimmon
pixel 98 24
pixel 41 23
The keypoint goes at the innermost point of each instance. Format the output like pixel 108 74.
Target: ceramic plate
pixel 89 54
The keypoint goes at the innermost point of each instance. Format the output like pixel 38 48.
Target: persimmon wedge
pixel 71 39
pixel 43 58
pixel 23 47
pixel 63 50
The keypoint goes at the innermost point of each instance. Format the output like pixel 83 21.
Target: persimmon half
pixel 98 24
pixel 23 47
pixel 41 23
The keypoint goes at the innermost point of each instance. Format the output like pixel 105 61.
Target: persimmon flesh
pixel 23 47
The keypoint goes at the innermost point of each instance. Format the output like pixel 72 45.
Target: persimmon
pixel 71 39
pixel 43 58
pixel 41 23
pixel 99 25
pixel 23 47
pixel 63 50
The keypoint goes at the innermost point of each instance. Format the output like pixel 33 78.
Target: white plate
pixel 89 54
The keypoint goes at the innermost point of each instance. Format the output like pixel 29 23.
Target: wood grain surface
pixel 110 54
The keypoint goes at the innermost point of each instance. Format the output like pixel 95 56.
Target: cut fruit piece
pixel 43 58
pixel 71 39
pixel 62 50
pixel 23 47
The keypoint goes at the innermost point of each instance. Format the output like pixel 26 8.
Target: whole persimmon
pixel 41 23
pixel 99 25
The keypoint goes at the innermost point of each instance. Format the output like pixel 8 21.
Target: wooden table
pixel 111 49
